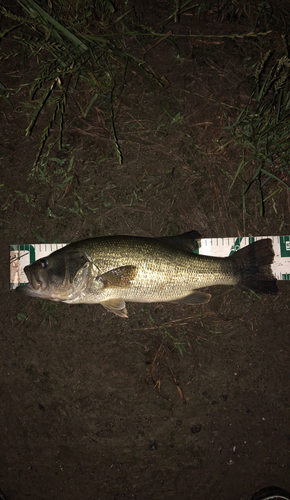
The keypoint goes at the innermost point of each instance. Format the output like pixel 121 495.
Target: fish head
pixel 61 276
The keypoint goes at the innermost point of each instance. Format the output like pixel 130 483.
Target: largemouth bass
pixel 114 270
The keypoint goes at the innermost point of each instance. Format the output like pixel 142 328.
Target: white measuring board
pixel 23 255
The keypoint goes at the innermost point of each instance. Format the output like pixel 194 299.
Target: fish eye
pixel 42 263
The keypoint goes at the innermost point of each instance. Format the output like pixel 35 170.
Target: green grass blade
pixel 55 23
pixel 273 176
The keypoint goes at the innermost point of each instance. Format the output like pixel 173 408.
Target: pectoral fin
pixel 116 306
pixel 120 277
pixel 194 298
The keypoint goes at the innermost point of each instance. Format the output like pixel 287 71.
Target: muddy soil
pixel 175 402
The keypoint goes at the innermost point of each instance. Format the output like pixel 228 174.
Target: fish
pixel 113 270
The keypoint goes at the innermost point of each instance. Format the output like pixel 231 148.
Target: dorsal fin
pixel 187 241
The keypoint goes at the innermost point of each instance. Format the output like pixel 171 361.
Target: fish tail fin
pixel 254 263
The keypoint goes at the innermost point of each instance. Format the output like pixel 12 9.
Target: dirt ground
pixel 176 402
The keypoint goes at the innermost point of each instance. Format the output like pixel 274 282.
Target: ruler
pixel 23 255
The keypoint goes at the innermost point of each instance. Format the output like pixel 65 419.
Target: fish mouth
pixel 27 290
pixel 36 286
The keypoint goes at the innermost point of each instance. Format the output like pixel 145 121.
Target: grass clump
pixel 74 46
pixel 262 130
pixel 260 14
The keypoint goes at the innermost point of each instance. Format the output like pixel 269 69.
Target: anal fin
pixel 194 298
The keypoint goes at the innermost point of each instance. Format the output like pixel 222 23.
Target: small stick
pixel 159 41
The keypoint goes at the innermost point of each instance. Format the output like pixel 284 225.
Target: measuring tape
pixel 23 255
